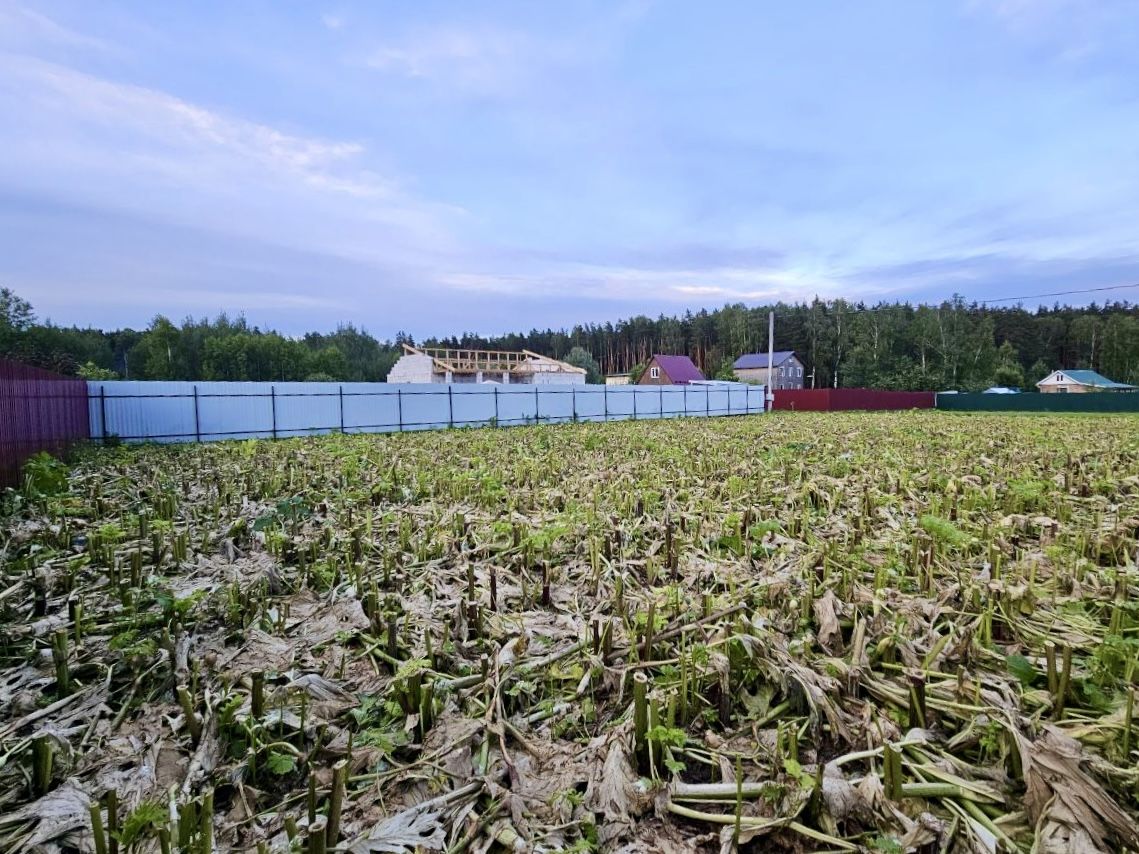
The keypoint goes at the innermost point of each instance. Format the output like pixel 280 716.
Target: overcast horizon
pixel 495 167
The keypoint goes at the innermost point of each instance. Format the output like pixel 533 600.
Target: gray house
pixel 787 370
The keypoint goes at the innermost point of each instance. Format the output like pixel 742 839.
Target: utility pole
pixel 770 357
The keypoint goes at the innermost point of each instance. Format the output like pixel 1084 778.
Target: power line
pixel 1061 293
pixel 891 305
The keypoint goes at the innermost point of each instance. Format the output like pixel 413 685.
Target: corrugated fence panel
pixel 1036 402
pixel 842 399
pixel 39 411
pixel 207 411
pixel 369 409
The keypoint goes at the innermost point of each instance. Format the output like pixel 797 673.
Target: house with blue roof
pixel 1079 382
pixel 786 369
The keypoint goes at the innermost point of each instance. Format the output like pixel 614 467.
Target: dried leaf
pixel 1067 805
pixel 829 631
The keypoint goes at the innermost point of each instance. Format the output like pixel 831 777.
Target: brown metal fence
pixel 839 399
pixel 39 411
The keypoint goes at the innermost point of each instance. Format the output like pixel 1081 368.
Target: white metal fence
pixel 211 411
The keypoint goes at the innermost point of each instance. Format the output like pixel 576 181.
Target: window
pixel 800 372
pixel 654 373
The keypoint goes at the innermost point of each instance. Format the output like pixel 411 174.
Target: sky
pixel 439 167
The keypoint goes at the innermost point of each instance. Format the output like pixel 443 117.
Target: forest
pixel 893 345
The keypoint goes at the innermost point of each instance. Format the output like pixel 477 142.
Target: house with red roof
pixel 670 370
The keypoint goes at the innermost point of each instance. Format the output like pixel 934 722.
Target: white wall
pixel 412 368
pixel 208 411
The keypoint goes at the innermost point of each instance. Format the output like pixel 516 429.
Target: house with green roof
pixel 1079 382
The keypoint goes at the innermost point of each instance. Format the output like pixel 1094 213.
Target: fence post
pixel 341 409
pixel 536 421
pixel 706 410
pixel 496 424
pixel 273 400
pixel 103 414
pixel 634 404
pixel 729 400
pixel 399 408
pixel 573 402
pixel 661 404
pixel 606 393
pixel 450 407
pixel 197 418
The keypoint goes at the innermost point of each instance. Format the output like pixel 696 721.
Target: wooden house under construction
pixel 510 367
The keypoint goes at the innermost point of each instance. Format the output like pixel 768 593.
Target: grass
pixel 836 631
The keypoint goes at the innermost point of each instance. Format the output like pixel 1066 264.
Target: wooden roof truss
pixel 468 361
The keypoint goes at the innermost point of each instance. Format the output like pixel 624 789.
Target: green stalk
pixel 112 822
pixel 1127 717
pixel 336 802
pixel 187 820
pixel 641 718
pixel 316 836
pixel 193 722
pixel 917 701
pixel 892 772
pixel 206 823
pixel 739 804
pixel 1062 687
pixel 257 699
pixel 59 656
pixel 650 621
pixel 97 829
pixel 41 764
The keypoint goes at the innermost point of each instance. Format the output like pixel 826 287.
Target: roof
pixel 467 361
pixel 680 369
pixel 1088 378
pixel 759 360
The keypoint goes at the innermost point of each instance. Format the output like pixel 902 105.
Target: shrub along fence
pixel 189 412
pixel 839 399
pixel 1035 402
pixel 39 411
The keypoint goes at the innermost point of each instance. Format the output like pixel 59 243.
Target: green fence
pixel 1036 402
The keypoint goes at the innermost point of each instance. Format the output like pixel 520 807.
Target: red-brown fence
pixel 39 411
pixel 837 399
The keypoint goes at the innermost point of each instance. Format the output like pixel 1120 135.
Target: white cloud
pixel 679 286
pixel 1071 30
pixel 481 61
pixel 332 22
pixel 148 152
pixel 20 27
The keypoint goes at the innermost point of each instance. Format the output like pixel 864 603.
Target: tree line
pixel 892 345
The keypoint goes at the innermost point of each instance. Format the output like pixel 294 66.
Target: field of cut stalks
pixel 803 632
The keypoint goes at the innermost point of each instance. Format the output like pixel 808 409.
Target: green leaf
pixel 147 815
pixel 668 736
pixel 281 763
pixel 795 769
pixel 1021 668
pixel 264 523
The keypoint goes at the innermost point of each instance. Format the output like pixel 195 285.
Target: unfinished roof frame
pixel 470 361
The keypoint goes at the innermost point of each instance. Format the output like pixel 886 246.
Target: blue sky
pixel 491 166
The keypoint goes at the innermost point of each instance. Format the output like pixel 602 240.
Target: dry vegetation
pixel 896 632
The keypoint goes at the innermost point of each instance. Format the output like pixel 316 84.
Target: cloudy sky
pixel 443 166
